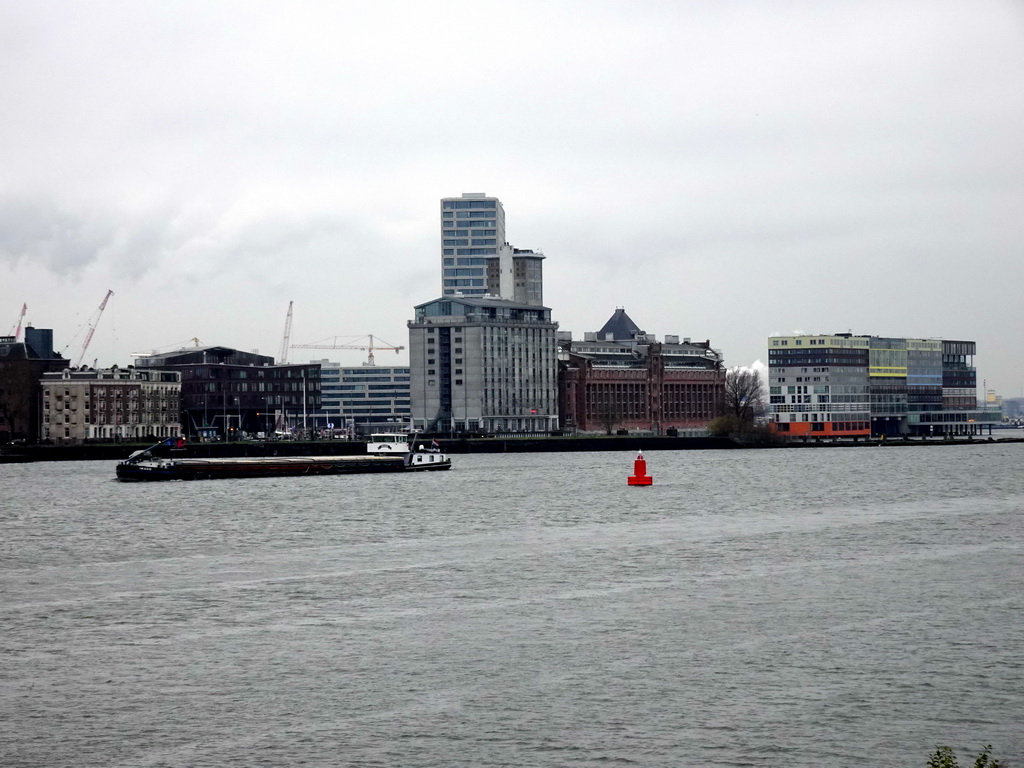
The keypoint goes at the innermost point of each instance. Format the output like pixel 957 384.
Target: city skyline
pixel 726 173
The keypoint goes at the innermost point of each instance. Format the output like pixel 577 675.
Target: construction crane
pixel 16 333
pixel 285 341
pixel 366 347
pixel 176 345
pixel 93 322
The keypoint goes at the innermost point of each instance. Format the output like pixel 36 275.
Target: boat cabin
pixel 388 443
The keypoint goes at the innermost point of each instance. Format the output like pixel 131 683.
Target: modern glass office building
pixel 472 230
pixel 363 399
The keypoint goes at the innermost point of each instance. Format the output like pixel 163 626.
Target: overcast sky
pixel 723 170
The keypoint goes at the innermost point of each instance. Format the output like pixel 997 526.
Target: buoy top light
pixel 639 476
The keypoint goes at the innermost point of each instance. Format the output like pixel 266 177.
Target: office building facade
pixel 843 385
pixel 357 401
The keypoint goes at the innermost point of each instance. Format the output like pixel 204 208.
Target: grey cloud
pixel 40 232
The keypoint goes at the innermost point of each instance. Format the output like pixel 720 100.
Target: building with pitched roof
pixel 622 378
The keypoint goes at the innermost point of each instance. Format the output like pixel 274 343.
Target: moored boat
pixel 397 457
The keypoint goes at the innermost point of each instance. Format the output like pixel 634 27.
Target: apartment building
pixel 111 404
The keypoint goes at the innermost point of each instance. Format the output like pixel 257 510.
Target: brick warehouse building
pixel 623 378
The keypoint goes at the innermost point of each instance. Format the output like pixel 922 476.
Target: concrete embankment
pixel 117 452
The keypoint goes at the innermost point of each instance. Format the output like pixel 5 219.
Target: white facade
pixel 112 404
pixel 362 399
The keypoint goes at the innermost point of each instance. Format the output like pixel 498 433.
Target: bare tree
pixel 608 417
pixel 744 395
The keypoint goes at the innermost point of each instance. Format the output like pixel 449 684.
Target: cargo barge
pixel 385 453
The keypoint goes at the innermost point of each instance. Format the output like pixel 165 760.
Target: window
pixel 458 382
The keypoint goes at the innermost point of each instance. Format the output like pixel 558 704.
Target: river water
pixel 806 607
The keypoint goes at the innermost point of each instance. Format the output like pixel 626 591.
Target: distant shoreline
pixel 120 451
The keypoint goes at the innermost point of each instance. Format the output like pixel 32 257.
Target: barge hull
pixel 213 469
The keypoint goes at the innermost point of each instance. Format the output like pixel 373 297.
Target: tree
pixel 743 398
pixel 943 757
pixel 608 416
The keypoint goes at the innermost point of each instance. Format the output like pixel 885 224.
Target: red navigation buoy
pixel 640 476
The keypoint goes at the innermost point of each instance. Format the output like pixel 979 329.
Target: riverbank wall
pixel 121 451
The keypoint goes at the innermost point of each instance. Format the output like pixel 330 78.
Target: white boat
pixel 389 443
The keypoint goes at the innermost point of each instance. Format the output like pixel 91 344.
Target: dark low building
pixel 623 378
pixel 227 394
pixel 22 365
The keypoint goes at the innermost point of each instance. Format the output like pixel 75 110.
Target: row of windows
pixel 475 241
pixel 851 342
pixel 473 232
pixel 217 372
pixel 837 426
pixel 463 204
pixel 463 272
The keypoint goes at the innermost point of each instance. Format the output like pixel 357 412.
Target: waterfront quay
pixel 540 444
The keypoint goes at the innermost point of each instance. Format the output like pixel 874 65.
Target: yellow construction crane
pixel 369 348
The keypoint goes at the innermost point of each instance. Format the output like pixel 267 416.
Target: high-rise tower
pixel 483 356
pixel 472 231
